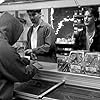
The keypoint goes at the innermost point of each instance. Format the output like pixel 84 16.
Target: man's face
pixel 88 19
pixel 34 18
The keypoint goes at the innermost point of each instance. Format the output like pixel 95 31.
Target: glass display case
pixel 50 83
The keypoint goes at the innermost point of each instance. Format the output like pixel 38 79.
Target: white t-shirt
pixel 34 37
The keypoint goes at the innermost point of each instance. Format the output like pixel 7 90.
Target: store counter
pixel 50 84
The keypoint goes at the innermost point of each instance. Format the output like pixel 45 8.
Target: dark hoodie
pixel 12 69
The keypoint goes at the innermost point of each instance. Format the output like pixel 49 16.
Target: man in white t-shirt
pixel 41 38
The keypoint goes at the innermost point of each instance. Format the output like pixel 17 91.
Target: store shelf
pixel 63 45
pixel 79 16
pixel 36 4
pixel 88 3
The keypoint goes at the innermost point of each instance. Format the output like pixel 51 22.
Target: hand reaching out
pixel 28 52
pixel 31 69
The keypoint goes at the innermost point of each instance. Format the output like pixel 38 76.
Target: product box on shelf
pixel 92 63
pixel 63 66
pixel 76 60
pixel 82 62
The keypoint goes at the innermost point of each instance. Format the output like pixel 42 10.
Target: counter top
pixel 50 73
pixel 76 86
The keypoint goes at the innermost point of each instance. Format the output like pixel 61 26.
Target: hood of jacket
pixel 10 27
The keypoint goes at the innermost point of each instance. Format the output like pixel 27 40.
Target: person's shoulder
pixel 46 24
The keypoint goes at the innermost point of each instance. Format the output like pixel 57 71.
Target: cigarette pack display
pixel 63 64
pixel 92 63
pixel 76 60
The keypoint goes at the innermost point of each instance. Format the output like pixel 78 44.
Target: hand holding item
pixel 31 69
pixel 33 57
pixel 28 52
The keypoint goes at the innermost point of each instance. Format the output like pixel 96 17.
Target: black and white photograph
pixel 49 49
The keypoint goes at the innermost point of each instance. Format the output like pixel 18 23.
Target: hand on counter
pixel 29 51
pixel 31 69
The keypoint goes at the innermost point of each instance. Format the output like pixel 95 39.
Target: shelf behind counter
pixel 64 48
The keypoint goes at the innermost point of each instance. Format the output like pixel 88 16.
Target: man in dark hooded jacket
pixel 12 68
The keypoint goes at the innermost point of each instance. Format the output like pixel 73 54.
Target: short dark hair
pixel 34 11
pixel 93 11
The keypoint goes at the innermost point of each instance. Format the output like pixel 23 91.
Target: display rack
pixel 64 48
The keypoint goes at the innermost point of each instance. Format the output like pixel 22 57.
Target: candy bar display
pixel 82 62
pixel 76 60
pixel 92 64
pixel 76 68
pixel 63 64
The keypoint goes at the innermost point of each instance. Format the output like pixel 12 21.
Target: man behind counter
pixel 89 38
pixel 41 38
